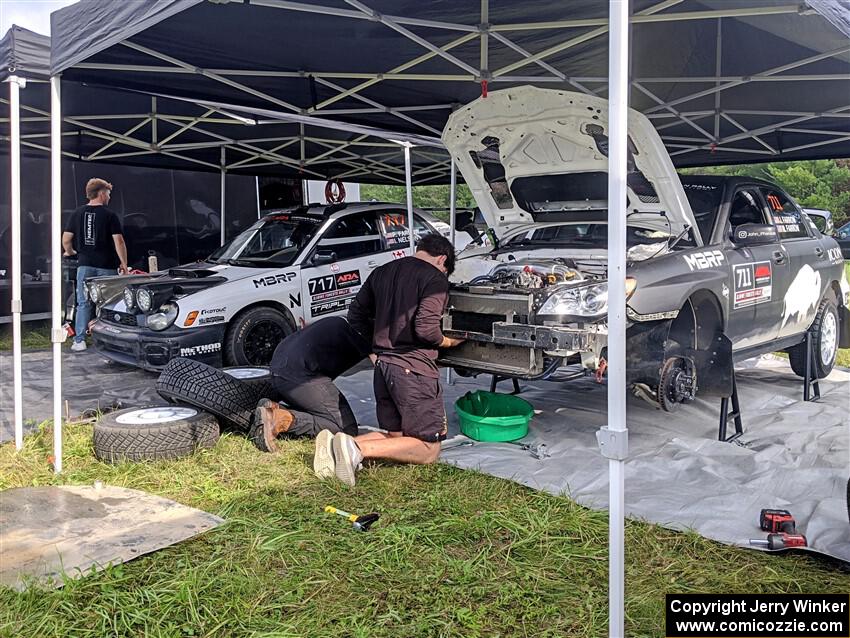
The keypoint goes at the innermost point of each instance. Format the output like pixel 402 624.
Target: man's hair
pixel 436 245
pixel 95 185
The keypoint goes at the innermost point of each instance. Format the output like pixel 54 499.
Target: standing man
pixel 303 368
pixel 100 249
pixel 400 308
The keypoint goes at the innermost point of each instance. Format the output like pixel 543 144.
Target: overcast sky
pixel 30 14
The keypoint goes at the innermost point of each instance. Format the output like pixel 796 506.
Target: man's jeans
pixel 84 306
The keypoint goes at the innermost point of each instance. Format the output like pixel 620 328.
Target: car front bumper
pixel 151 350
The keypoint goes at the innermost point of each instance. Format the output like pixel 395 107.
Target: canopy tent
pixel 724 81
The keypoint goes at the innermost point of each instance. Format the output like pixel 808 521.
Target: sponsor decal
pixel 334 285
pixel 398 254
pixel 112 330
pixel 802 297
pixel 703 260
pixel 214 311
pixel 834 255
pixel 272 280
pixel 213 319
pixel 202 349
pixel 327 307
pixel 725 291
pixel 334 267
pixel 295 300
pixel 753 284
pixel 88 228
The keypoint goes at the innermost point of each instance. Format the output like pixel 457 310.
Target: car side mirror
pixel 754 234
pixel 323 257
pixel 463 219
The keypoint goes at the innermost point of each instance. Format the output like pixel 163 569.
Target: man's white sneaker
pixel 78 346
pixel 347 455
pixel 323 459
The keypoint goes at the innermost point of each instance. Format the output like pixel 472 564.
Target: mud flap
pixel 844 326
pixel 715 368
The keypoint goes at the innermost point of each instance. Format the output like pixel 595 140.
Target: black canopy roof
pixel 724 81
pixel 117 126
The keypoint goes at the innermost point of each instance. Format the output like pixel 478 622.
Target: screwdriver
pixel 359 523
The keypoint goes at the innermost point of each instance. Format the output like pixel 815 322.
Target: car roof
pixel 725 180
pixel 327 211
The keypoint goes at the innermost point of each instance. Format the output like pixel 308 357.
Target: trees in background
pixel 813 183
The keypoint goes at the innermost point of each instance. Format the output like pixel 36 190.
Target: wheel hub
pixel 677 384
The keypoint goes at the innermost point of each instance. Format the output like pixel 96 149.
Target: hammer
pixel 359 523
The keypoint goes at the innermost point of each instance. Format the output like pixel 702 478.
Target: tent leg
pixel 613 439
pixel 223 191
pixel 15 85
pixel 452 216
pixel 57 335
pixel 408 184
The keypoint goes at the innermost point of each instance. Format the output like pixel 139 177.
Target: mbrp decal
pixel 334 285
pixel 271 280
pixel 203 349
pixel 703 260
pixel 753 284
pixel 327 307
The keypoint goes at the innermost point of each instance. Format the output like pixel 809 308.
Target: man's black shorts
pixel 409 403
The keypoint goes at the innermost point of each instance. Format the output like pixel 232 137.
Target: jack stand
pixel 735 413
pixel 810 381
pixel 496 379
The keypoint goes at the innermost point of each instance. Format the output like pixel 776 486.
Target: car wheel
pixel 153 433
pixel 253 336
pixel 824 331
pixel 188 381
pixel 258 378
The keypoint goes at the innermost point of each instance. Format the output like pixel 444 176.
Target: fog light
pixel 145 299
pixel 129 298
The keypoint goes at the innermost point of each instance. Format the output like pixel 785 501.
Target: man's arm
pixel 361 313
pixel 429 316
pixel 68 244
pixel 121 249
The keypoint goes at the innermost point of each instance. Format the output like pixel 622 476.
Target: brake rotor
pixel 677 384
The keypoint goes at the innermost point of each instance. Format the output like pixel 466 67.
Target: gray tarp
pixel 756 38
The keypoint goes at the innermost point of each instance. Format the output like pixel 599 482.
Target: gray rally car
pixel 719 269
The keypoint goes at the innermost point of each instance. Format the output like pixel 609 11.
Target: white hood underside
pixel 544 132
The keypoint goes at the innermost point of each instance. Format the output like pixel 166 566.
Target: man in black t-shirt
pixel 303 368
pixel 93 233
pixel 400 309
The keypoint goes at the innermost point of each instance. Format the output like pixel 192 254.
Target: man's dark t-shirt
pixel 401 308
pixel 93 228
pixel 326 348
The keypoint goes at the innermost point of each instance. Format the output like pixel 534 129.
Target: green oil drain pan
pixel 490 416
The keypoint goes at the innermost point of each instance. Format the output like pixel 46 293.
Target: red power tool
pixel 780 540
pixel 777 521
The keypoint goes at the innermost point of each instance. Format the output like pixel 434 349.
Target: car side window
pixel 786 216
pixel 353 236
pixel 396 230
pixel 746 209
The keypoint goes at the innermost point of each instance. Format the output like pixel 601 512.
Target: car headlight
pixel 94 292
pixel 164 317
pixel 129 298
pixel 583 301
pixel 144 298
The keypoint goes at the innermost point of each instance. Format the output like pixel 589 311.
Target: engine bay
pixel 533 275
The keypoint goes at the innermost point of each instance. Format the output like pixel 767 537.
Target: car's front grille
pixel 121 318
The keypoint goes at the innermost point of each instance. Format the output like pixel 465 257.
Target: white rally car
pixel 289 268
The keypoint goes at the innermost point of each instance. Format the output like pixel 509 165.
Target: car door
pixel 758 275
pixel 808 258
pixel 339 263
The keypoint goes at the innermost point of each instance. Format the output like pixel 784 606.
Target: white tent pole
pixel 452 220
pixel 223 190
pixel 57 334
pixel 15 84
pixel 257 191
pixel 613 439
pixel 408 186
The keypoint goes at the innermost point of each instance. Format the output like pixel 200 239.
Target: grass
pixel 455 553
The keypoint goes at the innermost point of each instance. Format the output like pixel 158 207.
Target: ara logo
pixel 271 280
pixel 703 260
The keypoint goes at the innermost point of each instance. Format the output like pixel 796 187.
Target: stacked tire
pixel 202 401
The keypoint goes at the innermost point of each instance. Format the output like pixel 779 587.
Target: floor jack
pixel 811 392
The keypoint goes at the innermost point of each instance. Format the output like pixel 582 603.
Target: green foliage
pixel 436 197
pixel 813 183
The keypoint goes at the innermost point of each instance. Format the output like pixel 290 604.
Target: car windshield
pixel 273 241
pixel 704 198
pixel 584 236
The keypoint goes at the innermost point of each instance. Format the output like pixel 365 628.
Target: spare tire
pixel 153 433
pixel 259 378
pixel 188 381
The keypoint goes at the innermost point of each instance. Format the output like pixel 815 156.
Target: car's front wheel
pixel 253 336
pixel 824 331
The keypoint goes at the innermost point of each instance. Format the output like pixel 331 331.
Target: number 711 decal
pixel 753 283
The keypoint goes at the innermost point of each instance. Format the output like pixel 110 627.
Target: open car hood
pixel 533 155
